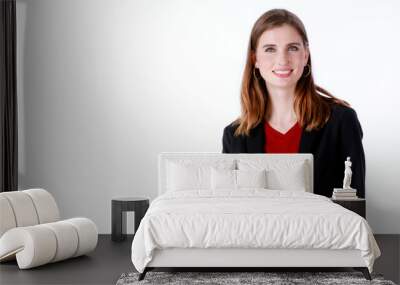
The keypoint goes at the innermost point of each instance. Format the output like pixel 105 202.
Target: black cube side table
pixel 119 207
pixel 356 205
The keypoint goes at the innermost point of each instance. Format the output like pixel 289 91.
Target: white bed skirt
pixel 235 257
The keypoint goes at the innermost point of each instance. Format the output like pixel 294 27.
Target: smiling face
pixel 281 57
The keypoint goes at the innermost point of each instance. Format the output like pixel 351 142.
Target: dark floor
pixel 111 259
pixel 102 266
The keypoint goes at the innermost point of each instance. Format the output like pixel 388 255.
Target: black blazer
pixel 340 137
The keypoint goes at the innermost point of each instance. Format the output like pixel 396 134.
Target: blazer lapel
pixel 256 140
pixel 307 141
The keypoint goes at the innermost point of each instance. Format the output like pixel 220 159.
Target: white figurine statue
pixel 347 174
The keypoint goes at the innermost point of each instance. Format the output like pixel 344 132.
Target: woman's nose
pixel 283 58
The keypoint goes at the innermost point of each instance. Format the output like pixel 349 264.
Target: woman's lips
pixel 283 73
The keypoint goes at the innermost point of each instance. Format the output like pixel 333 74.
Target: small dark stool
pixel 119 207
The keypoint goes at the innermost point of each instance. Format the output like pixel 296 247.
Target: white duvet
pixel 250 218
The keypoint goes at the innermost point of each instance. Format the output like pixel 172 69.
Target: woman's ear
pixel 307 55
pixel 254 59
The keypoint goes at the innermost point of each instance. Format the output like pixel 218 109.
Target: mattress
pixel 250 219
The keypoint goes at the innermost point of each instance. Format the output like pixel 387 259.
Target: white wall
pixel 104 86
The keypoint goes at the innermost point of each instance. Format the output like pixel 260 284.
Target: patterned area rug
pixel 230 278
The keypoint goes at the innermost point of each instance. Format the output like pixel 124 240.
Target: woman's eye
pixel 292 48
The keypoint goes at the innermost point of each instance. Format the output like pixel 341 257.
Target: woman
pixel 283 111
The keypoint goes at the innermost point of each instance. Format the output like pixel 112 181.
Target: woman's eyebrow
pixel 289 44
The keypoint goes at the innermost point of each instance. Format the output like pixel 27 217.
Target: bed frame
pixel 240 259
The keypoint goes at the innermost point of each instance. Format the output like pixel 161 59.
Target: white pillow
pixel 292 178
pixel 251 178
pixel 237 179
pixel 281 174
pixel 193 174
pixel 223 179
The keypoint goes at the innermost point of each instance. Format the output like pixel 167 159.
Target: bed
pixel 247 210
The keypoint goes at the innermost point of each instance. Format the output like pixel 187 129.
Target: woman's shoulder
pixel 231 128
pixel 346 119
pixel 340 112
pixel 232 143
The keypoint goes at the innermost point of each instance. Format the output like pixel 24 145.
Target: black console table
pixel 119 207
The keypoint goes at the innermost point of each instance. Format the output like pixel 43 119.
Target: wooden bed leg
pixel 142 275
pixel 364 271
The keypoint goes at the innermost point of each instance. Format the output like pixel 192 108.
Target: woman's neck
pixel 282 115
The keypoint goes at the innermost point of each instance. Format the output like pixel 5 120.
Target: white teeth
pixel 282 72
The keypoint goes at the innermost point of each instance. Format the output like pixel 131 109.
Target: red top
pixel 276 142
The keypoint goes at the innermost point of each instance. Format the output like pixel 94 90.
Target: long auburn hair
pixel 311 102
